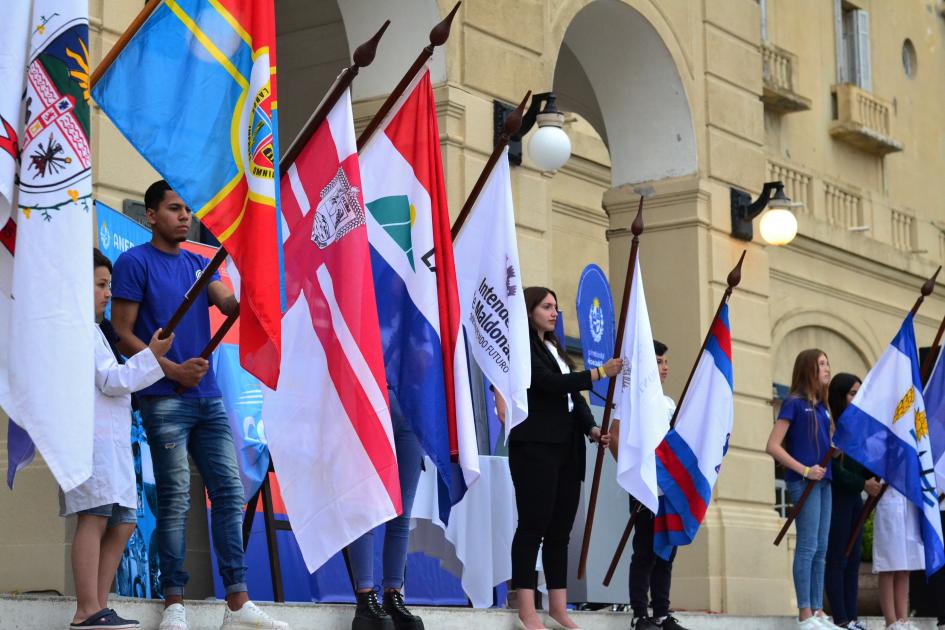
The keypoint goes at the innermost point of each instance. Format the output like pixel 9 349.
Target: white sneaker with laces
pixel 826 623
pixel 250 617
pixel 174 618
pixel 810 623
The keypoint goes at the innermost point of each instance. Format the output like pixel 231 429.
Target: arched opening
pixel 615 70
pixel 844 355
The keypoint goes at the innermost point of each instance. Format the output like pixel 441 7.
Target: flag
pixel 328 424
pixel 46 310
pixel 415 283
pixel 639 403
pixel 689 458
pixel 934 397
pixel 194 91
pixel 490 293
pixel 885 428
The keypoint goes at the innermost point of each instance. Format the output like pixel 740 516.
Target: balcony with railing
pixel 903 231
pixel 863 120
pixel 778 68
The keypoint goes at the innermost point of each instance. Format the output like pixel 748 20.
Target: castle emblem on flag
pixel 338 212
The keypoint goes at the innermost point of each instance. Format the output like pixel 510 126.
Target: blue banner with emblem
pixel 596 323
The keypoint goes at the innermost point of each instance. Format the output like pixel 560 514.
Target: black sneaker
pixel 403 618
pixel 105 619
pixel 670 623
pixel 134 622
pixel 368 614
pixel 643 623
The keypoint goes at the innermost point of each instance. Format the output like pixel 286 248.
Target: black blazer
pixel 549 420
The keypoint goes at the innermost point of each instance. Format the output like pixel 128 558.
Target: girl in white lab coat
pixel 897 550
pixel 106 504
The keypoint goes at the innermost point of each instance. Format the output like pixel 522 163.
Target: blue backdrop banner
pixel 595 313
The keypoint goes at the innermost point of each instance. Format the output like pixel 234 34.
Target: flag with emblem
pixel 213 138
pixel 689 458
pixel 329 421
pixel 415 283
pixel 46 345
pixel 885 429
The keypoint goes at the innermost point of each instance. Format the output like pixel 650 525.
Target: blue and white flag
pixel 935 412
pixel 885 429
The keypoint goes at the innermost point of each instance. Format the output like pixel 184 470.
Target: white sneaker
pixel 811 623
pixel 250 617
pixel 174 618
pixel 826 623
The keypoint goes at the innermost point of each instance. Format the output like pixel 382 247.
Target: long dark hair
pixel 533 297
pixel 840 386
pixel 805 381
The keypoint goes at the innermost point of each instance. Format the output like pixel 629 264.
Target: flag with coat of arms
pixel 689 458
pixel 47 319
pixel 415 284
pixel 885 428
pixel 328 424
pixel 213 137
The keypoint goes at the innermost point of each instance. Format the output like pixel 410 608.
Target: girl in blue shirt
pixel 799 440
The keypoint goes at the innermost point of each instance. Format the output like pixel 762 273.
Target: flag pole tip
pixel 735 275
pixel 513 122
pixel 929 284
pixel 441 32
pixel 636 228
pixel 364 54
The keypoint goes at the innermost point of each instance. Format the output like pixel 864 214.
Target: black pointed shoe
pixel 403 618
pixel 368 614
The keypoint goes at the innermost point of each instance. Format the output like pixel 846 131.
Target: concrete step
pixel 31 612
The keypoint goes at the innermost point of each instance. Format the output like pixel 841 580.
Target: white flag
pixel 13 48
pixel 46 305
pixel 639 403
pixel 490 293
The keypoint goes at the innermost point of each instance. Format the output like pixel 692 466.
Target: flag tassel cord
pixel 510 127
pixel 927 287
pixel 732 280
pixel 636 228
pixel 438 36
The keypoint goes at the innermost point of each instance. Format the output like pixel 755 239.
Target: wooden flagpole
pixel 927 287
pixel 438 36
pixel 636 228
pixel 732 280
pixel 803 498
pixel 119 45
pixel 510 127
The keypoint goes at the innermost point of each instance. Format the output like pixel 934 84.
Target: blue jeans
pixel 813 530
pixel 397 530
pixel 199 425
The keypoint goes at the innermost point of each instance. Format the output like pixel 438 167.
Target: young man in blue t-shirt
pixel 148 284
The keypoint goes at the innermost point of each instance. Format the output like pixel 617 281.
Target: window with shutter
pixel 864 73
pixel 852 27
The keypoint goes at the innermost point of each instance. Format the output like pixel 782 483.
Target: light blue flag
pixel 935 411
pixel 885 428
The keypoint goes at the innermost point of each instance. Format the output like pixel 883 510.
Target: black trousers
pixel 842 573
pixel 649 574
pixel 547 480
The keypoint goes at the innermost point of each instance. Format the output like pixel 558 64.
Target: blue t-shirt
pixel 808 437
pixel 158 282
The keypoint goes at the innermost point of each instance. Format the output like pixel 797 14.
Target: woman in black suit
pixel 546 459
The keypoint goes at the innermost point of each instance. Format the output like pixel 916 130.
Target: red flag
pixel 329 424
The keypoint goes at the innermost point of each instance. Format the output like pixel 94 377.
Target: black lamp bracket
pixel 744 210
pixel 541 104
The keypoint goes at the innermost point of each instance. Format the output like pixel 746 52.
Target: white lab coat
pixel 897 538
pixel 113 473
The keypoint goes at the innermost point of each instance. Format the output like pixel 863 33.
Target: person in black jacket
pixel 850 479
pixel 546 459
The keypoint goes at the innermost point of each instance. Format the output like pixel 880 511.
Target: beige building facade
pixel 842 101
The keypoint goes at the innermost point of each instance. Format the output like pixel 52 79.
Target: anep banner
pixel 595 313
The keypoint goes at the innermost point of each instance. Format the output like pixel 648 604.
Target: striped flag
pixel 415 281
pixel 934 396
pixel 328 424
pixel 885 428
pixel 690 457
pixel 214 138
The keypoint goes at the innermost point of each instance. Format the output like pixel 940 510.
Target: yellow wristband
pixel 806 471
pixel 601 373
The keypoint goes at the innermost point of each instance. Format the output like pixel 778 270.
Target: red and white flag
pixel 328 424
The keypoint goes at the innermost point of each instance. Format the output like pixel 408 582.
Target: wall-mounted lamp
pixel 550 147
pixel 778 225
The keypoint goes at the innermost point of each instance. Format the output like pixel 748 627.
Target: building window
pixel 909 61
pixel 852 28
pixel 763 7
